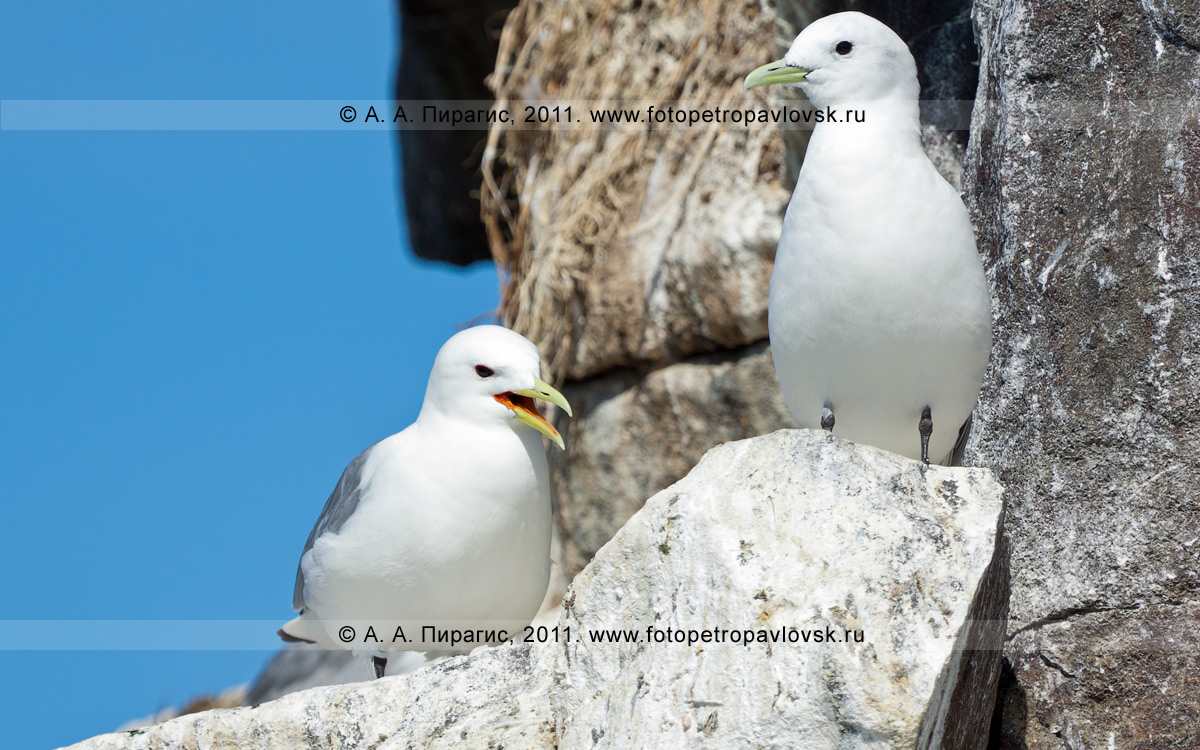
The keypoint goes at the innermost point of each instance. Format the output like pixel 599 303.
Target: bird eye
pixel 484 371
pixel 843 48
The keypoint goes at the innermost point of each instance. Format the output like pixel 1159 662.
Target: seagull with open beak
pixel 438 537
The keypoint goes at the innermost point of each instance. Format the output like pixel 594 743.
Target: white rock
pixel 494 697
pixel 794 529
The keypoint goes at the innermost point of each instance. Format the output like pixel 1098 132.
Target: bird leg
pixel 379 663
pixel 925 426
pixel 827 418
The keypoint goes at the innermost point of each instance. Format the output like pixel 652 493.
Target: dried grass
pixel 576 193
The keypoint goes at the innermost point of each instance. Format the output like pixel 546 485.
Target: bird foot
pixel 827 419
pixel 380 664
pixel 925 427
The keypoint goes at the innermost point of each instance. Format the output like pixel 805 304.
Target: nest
pixel 556 201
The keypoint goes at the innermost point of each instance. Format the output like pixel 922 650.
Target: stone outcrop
pixel 638 259
pixel 1083 173
pixel 634 246
pixel 678 411
pixel 495 698
pixel 882 582
pixel 795 529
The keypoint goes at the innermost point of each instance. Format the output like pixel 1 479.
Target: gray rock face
pixel 635 433
pixel 1125 673
pixel 1084 177
pixel 898 568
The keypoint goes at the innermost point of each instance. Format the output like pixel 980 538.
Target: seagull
pixel 879 313
pixel 445 524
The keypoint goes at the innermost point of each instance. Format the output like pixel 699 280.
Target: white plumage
pixel 878 306
pixel 445 523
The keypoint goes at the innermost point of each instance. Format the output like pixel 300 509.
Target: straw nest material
pixel 559 203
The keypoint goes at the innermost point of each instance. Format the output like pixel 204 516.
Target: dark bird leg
pixel 827 417
pixel 379 663
pixel 925 426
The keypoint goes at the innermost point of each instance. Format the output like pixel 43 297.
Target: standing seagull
pixel 879 313
pixel 445 524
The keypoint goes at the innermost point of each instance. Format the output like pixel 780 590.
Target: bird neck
pixel 435 416
pixel 443 419
pixel 896 121
pixel 899 114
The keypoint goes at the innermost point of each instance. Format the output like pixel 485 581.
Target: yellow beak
pixel 523 407
pixel 774 72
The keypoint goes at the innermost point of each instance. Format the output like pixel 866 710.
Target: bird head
pixel 491 374
pixel 844 58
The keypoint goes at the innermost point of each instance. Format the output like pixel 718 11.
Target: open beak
pixel 522 405
pixel 775 72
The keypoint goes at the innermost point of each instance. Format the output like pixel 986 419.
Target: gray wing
pixel 960 445
pixel 342 503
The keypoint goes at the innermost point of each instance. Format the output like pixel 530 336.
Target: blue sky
pixel 200 330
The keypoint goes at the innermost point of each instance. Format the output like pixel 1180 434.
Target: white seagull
pixel 879 312
pixel 445 524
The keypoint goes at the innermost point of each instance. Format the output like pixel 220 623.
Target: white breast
pixel 448 530
pixel 878 302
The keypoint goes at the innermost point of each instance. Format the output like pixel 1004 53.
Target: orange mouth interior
pixel 525 404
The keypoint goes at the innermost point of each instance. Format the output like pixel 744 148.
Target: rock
pixel 946 153
pixel 634 246
pixel 1083 173
pixel 1098 665
pixel 897 566
pixel 494 698
pixel 795 529
pixel 228 698
pixel 635 433
pixel 447 49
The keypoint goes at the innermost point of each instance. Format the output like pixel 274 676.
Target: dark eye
pixel 484 371
pixel 843 48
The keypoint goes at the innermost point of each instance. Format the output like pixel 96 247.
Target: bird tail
pixel 960 445
pixel 296 630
